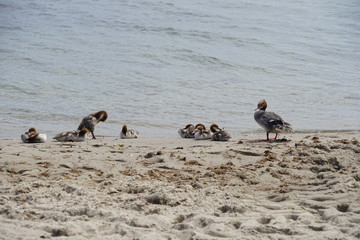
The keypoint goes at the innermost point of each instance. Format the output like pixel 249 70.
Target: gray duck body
pixel 271 122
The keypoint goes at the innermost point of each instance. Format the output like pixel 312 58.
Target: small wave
pixel 11 28
pixel 353 97
pixel 15 90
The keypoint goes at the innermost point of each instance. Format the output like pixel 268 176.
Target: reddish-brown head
pixel 100 115
pixel 124 129
pixel 32 130
pixel 214 128
pixel 83 132
pixel 200 125
pixel 262 105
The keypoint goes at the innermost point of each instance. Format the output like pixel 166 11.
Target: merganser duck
pixel 187 132
pixel 89 122
pixel 219 134
pixel 72 136
pixel 271 122
pixel 32 136
pixel 201 133
pixel 128 133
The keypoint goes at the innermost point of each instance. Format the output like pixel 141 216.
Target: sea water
pixel 158 65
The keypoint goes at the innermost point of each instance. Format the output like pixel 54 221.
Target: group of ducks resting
pixel 271 122
pixel 199 132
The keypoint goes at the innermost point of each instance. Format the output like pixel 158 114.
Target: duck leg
pixel 270 139
pixel 92 133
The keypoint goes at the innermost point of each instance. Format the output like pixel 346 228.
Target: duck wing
pixel 66 136
pixel 221 135
pixel 88 122
pixel 274 122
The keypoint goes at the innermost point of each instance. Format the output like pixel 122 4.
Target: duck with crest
pixel 128 133
pixel 187 132
pixel 89 122
pixel 219 134
pixel 32 136
pixel 271 122
pixel 201 133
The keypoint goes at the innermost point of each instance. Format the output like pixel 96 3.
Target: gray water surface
pixel 158 65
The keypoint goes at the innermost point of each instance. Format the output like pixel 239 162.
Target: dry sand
pixel 110 188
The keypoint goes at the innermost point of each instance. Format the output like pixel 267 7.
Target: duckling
pixel 187 132
pixel 89 122
pixel 219 134
pixel 201 133
pixel 72 136
pixel 32 136
pixel 271 122
pixel 128 133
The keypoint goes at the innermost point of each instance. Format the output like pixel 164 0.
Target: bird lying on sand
pixel 128 133
pixel 187 132
pixel 89 122
pixel 219 134
pixel 201 133
pixel 271 122
pixel 72 136
pixel 32 136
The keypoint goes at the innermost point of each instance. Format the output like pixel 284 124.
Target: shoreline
pixel 242 134
pixel 175 188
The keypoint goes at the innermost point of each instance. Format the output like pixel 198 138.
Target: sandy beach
pixel 307 187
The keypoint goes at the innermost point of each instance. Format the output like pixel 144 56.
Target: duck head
pixel 100 116
pixel 32 133
pixel 124 129
pixel 200 125
pixel 262 105
pixel 214 128
pixel 83 132
pixel 32 130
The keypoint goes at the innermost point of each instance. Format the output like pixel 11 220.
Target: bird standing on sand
pixel 187 132
pixel 89 122
pixel 219 134
pixel 128 133
pixel 32 136
pixel 271 122
pixel 72 136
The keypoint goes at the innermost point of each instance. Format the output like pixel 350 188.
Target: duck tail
pixel 287 127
